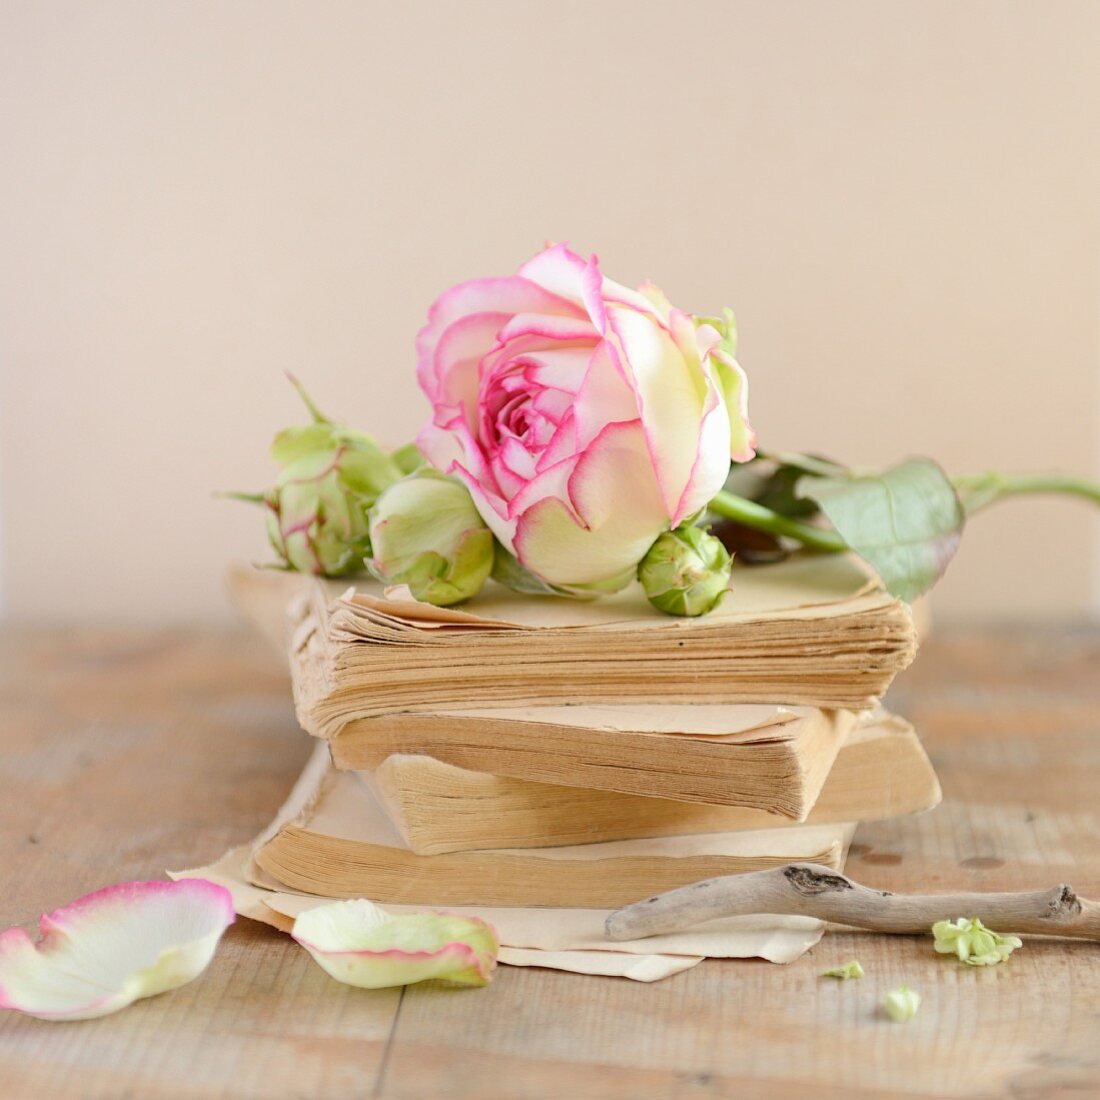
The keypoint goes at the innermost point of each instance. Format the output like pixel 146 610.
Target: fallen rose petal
pixel 359 944
pixel 106 950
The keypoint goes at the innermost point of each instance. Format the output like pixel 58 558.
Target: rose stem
pixel 756 515
pixel 983 489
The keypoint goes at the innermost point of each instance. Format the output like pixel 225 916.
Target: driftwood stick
pixel 811 890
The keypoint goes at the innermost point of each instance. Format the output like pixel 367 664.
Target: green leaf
pixel 905 522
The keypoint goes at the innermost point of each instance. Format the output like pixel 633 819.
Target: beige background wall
pixel 901 200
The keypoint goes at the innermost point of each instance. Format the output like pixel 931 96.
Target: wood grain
pixel 124 752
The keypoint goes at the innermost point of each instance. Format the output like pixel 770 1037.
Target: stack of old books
pixel 537 752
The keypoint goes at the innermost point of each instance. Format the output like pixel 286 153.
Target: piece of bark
pixel 811 890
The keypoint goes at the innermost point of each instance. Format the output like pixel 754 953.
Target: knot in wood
pixel 810 881
pixel 1064 904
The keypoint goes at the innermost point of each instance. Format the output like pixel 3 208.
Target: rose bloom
pixel 585 418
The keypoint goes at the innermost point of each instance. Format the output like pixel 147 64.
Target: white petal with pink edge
pixel 558 270
pixel 452 368
pixel 359 944
pixel 735 387
pixel 609 540
pixel 674 395
pixel 605 397
pixel 508 295
pixel 490 506
pixel 111 948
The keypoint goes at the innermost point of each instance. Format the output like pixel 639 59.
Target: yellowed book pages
pixel 334 838
pixel 572 938
pixel 812 631
pixel 263 596
pixel 769 758
pixel 881 771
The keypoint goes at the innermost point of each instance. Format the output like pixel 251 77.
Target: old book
pixel 333 838
pixel 767 757
pixel 263 596
pixel 811 631
pixel 549 936
pixel 880 771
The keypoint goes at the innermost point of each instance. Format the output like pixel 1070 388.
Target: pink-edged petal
pixel 506 479
pixel 605 396
pixel 449 441
pixel 592 294
pixel 552 405
pixel 735 389
pixel 607 540
pixel 544 326
pixel 558 368
pixel 454 362
pixel 616 294
pixel 490 506
pixel 507 295
pixel 673 394
pixel 518 459
pixel 553 481
pixel 562 445
pixel 359 944
pixel 108 949
pixel 711 466
pixel 655 298
pixel 559 270
pixel 706 337
pixel 519 354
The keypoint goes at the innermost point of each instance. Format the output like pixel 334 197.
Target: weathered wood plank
pixel 1013 726
pixel 123 752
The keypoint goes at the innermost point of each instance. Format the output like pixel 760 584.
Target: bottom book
pixel 334 838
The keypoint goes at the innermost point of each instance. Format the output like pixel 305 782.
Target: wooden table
pixel 126 752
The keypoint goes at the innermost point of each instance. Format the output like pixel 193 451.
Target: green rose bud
pixel 317 511
pixel 685 572
pixel 425 532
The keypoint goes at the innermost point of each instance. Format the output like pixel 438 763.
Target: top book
pixel 812 631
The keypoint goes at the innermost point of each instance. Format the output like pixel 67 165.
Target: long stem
pixel 978 491
pixel 756 515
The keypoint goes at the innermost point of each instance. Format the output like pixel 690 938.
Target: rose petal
pixel 108 949
pixel 545 327
pixel 674 393
pixel 359 944
pixel 507 295
pixel 608 541
pixel 561 271
pixel 451 442
pixel 491 507
pixel 559 368
pixel 605 397
pixel 558 270
pixel 454 362
pixel 735 388
pixel 592 294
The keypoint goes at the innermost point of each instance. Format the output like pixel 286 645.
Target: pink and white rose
pixel 584 417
